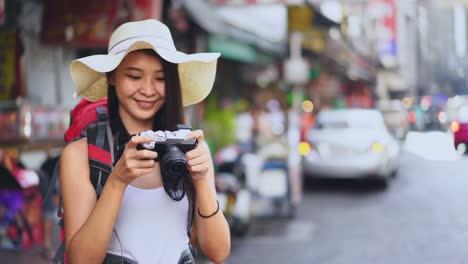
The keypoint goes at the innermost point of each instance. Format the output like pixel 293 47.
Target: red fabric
pixel 99 154
pixel 82 115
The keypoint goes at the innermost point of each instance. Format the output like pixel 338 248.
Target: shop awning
pixel 238 51
pixel 249 24
pixel 353 64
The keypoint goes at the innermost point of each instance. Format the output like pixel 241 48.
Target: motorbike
pixel 235 199
pixel 270 182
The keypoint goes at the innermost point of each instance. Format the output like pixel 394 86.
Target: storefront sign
pixel 7 63
pixel 257 2
pixel 90 24
pixel 79 24
pixel 383 12
pixel 299 18
pixel 2 12
pixel 315 40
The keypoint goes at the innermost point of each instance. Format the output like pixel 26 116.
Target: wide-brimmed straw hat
pixel 196 71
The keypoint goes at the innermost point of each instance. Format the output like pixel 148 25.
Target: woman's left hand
pixel 198 159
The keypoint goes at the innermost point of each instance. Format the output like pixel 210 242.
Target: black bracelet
pixel 208 216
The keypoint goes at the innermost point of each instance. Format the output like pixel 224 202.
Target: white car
pixel 396 118
pixel 351 143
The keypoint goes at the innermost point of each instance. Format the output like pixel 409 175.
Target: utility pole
pixel 415 90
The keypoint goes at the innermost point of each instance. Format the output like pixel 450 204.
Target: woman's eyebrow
pixel 133 69
pixel 140 70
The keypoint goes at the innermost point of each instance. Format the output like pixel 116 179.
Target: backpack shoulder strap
pixel 99 150
pixel 52 182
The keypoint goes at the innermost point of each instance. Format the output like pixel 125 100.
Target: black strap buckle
pixel 102 113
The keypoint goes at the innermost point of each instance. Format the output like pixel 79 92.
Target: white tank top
pixel 151 226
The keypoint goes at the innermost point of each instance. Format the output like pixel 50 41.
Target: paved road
pixel 421 218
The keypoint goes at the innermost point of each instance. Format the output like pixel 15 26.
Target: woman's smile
pixel 146 104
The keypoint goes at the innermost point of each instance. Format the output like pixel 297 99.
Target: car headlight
pixel 377 147
pixel 304 148
pixel 455 126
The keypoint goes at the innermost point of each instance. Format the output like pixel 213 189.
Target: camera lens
pixel 174 162
pixel 173 169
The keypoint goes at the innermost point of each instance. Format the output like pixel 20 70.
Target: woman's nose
pixel 148 89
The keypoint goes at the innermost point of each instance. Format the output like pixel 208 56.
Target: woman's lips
pixel 145 104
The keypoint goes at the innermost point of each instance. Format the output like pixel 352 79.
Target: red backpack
pixel 89 119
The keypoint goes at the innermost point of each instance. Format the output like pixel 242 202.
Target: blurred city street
pixel 336 130
pixel 421 218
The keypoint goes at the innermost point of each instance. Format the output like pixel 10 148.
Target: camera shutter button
pixel 160 135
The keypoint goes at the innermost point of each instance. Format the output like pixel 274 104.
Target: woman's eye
pixel 134 77
pixel 161 79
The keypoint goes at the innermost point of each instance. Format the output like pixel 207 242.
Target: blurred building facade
pixel 443 47
pixel 386 31
pixel 419 45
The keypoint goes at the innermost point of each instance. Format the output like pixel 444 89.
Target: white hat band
pixel 157 42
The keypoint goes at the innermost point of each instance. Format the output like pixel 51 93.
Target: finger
pixel 199 168
pixel 141 172
pixel 194 153
pixel 145 154
pixel 139 164
pixel 136 140
pixel 198 160
pixel 197 134
pixel 145 164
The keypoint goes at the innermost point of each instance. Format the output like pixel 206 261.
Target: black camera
pixel 171 147
pixel 162 140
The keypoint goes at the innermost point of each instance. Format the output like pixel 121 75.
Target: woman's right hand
pixel 134 163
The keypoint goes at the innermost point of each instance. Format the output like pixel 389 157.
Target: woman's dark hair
pixel 171 112
pixel 168 116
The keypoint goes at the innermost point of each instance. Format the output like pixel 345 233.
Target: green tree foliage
pixel 219 124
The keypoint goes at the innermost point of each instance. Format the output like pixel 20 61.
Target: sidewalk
pixel 32 256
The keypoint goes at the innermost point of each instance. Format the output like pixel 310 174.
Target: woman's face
pixel 139 83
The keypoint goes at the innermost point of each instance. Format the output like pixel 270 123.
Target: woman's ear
pixel 111 78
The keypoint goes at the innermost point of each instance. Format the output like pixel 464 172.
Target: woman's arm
pixel 212 233
pixel 89 222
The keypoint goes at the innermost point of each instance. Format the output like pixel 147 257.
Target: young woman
pixel 146 81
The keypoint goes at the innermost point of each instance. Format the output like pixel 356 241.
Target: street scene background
pixel 338 129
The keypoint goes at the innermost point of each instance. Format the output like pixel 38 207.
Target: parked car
pixel 459 128
pixel 395 117
pixel 350 144
pixel 451 109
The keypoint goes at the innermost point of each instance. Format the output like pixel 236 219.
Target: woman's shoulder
pixel 74 162
pixel 76 149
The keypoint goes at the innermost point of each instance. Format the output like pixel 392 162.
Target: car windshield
pixel 350 119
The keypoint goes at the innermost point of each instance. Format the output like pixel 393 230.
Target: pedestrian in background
pixel 49 207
